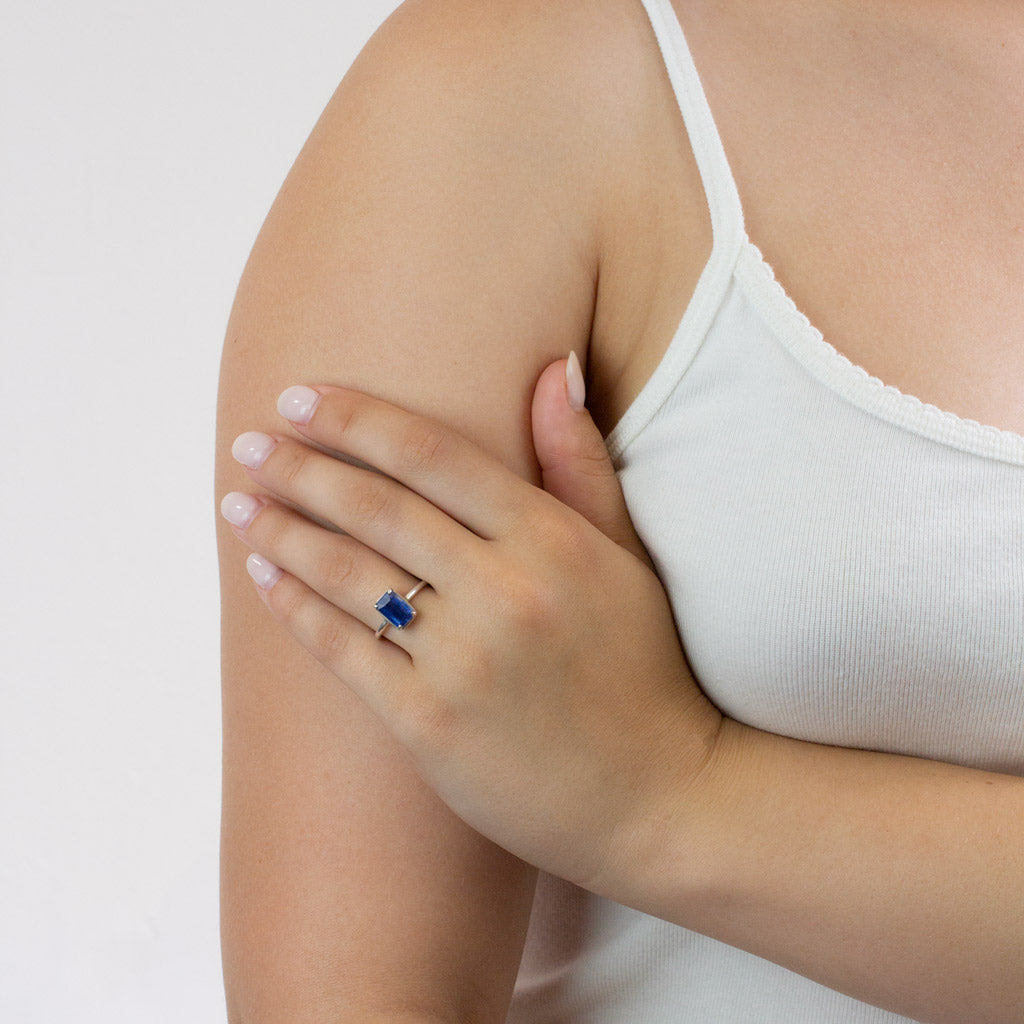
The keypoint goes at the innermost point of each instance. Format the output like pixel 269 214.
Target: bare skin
pixel 331 912
pixel 878 153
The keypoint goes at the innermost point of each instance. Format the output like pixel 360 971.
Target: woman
pixel 837 833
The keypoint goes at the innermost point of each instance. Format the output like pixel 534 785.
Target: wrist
pixel 711 816
pixel 693 850
pixel 665 856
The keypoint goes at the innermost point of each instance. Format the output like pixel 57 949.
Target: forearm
pixel 896 880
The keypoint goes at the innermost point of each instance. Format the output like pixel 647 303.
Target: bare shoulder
pixel 444 211
pixel 560 60
pixel 514 147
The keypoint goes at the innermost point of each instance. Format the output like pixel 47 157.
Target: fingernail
pixel 263 572
pixel 239 509
pixel 297 403
pixel 252 448
pixel 575 388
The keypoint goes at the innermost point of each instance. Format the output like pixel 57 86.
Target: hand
pixel 541 690
pixel 573 459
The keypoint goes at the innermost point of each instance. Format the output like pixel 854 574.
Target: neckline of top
pixel 733 254
pixel 850 381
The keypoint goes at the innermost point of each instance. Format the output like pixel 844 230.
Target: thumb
pixel 574 463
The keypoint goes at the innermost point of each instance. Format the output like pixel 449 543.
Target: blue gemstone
pixel 395 609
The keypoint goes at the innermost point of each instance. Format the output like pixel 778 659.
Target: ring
pixel 397 611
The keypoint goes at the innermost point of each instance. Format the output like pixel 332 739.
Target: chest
pixel 880 164
pixel 839 573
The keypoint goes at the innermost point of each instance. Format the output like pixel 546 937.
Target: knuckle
pixel 586 456
pixel 344 415
pixel 426 721
pixel 268 529
pixel 331 636
pixel 337 570
pixel 291 462
pixel 287 601
pixel 374 501
pixel 528 604
pixel 426 446
pixel 558 531
pixel 591 459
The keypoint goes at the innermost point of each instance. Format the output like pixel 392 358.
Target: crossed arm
pixel 893 879
pixel 352 892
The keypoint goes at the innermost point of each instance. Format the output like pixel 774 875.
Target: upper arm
pixel 432 245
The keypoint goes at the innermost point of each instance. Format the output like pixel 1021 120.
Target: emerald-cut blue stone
pixel 395 609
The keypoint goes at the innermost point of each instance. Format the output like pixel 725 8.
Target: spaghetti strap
pixel 727 232
pixel 719 184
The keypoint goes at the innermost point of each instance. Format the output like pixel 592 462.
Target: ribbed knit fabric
pixel 846 565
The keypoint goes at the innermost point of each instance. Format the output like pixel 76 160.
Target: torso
pixel 878 153
pixel 844 566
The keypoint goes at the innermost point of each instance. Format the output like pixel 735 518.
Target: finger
pixel 428 457
pixel 378 673
pixel 574 461
pixel 339 568
pixel 380 512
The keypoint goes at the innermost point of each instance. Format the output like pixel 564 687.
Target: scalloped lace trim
pixel 810 347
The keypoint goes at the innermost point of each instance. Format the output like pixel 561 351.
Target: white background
pixel 140 148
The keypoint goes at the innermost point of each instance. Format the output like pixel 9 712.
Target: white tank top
pixel 846 566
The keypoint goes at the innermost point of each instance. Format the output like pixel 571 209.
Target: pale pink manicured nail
pixel 297 403
pixel 263 572
pixel 239 509
pixel 252 448
pixel 575 388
